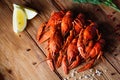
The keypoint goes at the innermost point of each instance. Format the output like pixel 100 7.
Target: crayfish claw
pixel 75 63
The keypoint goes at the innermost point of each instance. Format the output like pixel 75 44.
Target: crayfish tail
pixel 87 66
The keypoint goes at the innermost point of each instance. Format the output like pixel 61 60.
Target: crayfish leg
pixel 100 54
pixel 45 36
pixel 40 31
pixel 59 60
pixel 80 45
pixel 87 66
pixel 79 23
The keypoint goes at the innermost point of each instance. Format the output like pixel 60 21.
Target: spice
pixel 80 77
pixel 93 74
pixel 86 76
pixel 72 74
pixel 105 70
pixel 75 78
pixel 98 72
pixel 91 70
pixel 64 79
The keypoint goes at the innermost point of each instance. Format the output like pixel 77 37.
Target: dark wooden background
pixel 21 55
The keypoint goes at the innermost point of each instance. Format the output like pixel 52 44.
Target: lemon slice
pixel 30 13
pixel 19 19
pixel 20 16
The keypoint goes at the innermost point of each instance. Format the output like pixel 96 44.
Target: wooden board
pixel 21 56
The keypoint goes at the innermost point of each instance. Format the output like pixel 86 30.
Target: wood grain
pixel 16 61
pixel 21 55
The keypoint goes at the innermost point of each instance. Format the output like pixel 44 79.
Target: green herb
pixel 97 2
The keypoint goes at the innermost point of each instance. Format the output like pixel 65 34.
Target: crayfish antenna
pixel 41 62
pixel 87 66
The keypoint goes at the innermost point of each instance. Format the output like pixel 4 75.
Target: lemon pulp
pixel 20 19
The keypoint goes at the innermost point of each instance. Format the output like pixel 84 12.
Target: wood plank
pixel 68 5
pixel 112 52
pixel 19 54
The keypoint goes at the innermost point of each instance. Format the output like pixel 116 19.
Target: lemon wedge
pixel 20 16
pixel 30 13
pixel 19 19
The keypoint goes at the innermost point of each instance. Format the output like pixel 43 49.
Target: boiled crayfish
pixel 71 41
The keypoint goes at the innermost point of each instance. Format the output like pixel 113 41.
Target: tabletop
pixel 23 58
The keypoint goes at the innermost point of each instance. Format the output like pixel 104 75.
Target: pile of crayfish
pixel 71 41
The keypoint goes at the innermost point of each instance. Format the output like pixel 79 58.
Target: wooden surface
pixel 21 55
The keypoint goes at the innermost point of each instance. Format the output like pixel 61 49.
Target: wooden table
pixel 23 58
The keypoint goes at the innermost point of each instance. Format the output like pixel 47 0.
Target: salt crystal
pixel 89 75
pixel 93 74
pixel 80 78
pixel 98 72
pixel 92 79
pixel 91 70
pixel 72 74
pixel 64 79
pixel 86 76
pixel 75 78
pixel 68 77
pixel 76 72
pixel 105 70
